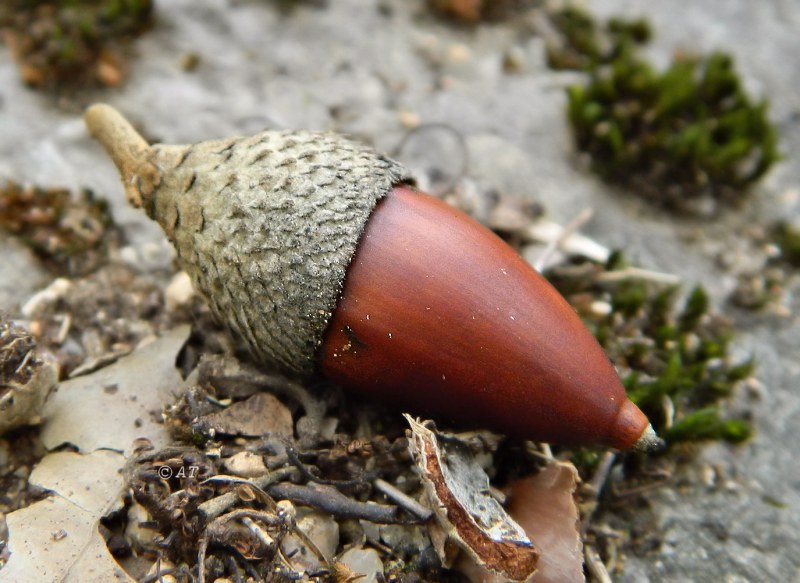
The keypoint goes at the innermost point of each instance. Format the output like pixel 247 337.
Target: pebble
pixel 323 531
pixel 245 464
pixel 179 292
pixel 365 562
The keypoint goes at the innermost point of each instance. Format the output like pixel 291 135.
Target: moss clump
pixel 673 359
pixel 677 137
pixel 71 234
pixel 584 45
pixel 71 43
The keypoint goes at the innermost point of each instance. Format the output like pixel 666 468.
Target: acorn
pixel 321 257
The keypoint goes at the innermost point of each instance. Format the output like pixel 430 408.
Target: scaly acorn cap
pixel 265 225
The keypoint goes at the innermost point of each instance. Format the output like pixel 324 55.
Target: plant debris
pixel 684 138
pixel 674 361
pixel 72 234
pixel 87 323
pixel 458 491
pixel 61 45
pixel 25 377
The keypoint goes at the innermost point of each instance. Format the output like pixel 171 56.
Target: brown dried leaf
pixel 544 505
pixel 458 490
pixel 260 414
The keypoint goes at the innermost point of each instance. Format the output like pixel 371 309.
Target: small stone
pixel 408 119
pixel 513 60
pixel 246 465
pixel 323 531
pixel 179 292
pixel 404 539
pixel 160 571
pixel 365 562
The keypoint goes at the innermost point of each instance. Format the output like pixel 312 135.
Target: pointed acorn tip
pixel 649 442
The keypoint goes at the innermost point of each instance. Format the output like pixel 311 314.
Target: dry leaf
pixel 544 505
pixel 260 414
pixel 113 406
pixel 57 539
pixel 458 489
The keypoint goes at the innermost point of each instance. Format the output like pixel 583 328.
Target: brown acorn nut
pixel 316 253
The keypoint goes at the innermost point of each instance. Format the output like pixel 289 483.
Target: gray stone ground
pixel 356 68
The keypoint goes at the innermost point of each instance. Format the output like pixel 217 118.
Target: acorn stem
pixel 126 147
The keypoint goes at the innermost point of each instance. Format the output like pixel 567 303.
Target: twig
pixel 639 273
pixel 330 500
pixel 555 243
pixel 403 500
pixel 216 506
pixel 595 487
pixel 595 565
pixel 216 526
pixel 295 460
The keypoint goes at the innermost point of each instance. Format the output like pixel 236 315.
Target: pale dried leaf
pixel 57 539
pixel 459 491
pixel 113 406
pixel 93 482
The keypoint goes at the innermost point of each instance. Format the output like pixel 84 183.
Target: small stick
pixel 639 273
pixel 596 486
pixel 216 506
pixel 572 227
pixel 403 499
pixel 334 502
pixel 595 565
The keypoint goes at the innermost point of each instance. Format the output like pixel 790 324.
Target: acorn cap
pixel 264 225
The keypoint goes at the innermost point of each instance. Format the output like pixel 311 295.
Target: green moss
pixel 584 45
pixel 672 356
pixel 686 133
pixel 706 424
